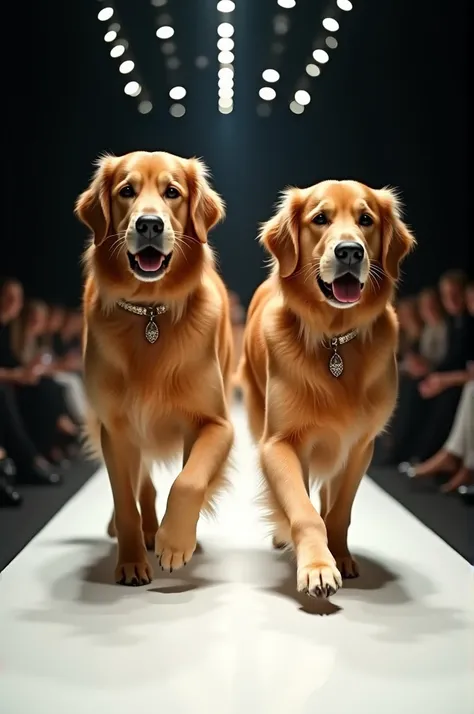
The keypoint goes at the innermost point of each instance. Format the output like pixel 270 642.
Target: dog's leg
pixel 338 517
pixel 147 500
pixel 207 451
pixel 282 529
pixel 317 574
pixel 123 465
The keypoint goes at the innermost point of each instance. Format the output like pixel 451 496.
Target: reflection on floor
pixel 229 634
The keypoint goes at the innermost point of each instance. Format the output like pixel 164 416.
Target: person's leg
pixel 74 395
pixel 462 439
pixel 437 424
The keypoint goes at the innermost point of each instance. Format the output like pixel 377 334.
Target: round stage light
pixel 133 89
pixel 225 44
pixel 267 94
pixel 145 107
pixel 177 93
pixel 177 110
pixel 105 14
pixel 270 75
pixel 296 108
pixel 110 36
pixel 332 43
pixel 345 5
pixel 164 32
pixel 287 4
pixel 117 51
pixel 126 67
pixel 330 24
pixel 321 56
pixel 225 6
pixel 313 70
pixel 225 29
pixel 225 57
pixel 302 97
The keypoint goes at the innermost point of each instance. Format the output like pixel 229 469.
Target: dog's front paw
pixel 319 579
pixel 133 574
pixel 174 549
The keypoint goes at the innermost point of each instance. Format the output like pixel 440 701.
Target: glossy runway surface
pixel 229 635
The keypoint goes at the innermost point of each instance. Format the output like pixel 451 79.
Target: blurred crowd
pixel 432 432
pixel 42 400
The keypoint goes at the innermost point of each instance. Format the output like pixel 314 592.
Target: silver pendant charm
pixel 152 332
pixel 336 365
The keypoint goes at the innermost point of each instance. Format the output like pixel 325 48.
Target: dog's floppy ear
pixel 206 207
pixel 280 235
pixel 397 239
pixel 93 206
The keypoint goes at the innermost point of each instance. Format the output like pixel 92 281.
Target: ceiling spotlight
pixel 177 93
pixel 287 4
pixel 115 27
pixel 226 73
pixel 117 51
pixel 344 5
pixel 321 56
pixel 226 92
pixel 225 57
pixel 145 107
pixel 168 48
pixel 296 108
pixel 226 110
pixel 105 14
pixel 173 63
pixel 330 25
pixel 225 83
pixel 164 32
pixel 331 42
pixel 133 89
pixel 126 67
pixel 270 75
pixel 158 3
pixel 302 97
pixel 225 102
pixel 281 24
pixel 313 70
pixel 225 6
pixel 225 29
pixel 201 62
pixel 264 109
pixel 267 93
pixel 177 110
pixel 110 36
pixel 225 44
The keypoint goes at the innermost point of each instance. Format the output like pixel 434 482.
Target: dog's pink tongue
pixel 150 262
pixel 346 289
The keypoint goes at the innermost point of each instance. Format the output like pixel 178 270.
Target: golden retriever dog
pixel 157 349
pixel 319 370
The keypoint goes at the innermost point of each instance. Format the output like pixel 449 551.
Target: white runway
pixel 228 634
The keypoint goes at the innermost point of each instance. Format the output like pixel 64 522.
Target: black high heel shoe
pixel 9 496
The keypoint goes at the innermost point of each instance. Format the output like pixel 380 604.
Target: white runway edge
pixel 228 634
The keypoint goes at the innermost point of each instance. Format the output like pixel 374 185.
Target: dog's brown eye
pixel 320 219
pixel 365 220
pixel 127 191
pixel 172 192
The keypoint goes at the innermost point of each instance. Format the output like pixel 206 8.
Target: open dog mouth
pixel 149 263
pixel 346 289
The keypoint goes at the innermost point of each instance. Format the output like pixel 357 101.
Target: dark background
pixel 390 107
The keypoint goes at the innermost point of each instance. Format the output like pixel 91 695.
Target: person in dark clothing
pixel 432 401
pixel 31 466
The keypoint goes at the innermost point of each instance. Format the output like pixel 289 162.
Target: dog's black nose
pixel 349 252
pixel 149 226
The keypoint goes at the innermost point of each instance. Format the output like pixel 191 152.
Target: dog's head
pixel 146 210
pixel 339 242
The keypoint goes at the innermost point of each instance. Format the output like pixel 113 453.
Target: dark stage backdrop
pixel 389 108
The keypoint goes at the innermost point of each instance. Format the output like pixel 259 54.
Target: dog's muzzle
pixel 151 255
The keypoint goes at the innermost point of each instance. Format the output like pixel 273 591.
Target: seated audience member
pixel 440 390
pixel 63 345
pixel 30 466
pixel 457 455
pixel 41 402
pixel 411 328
